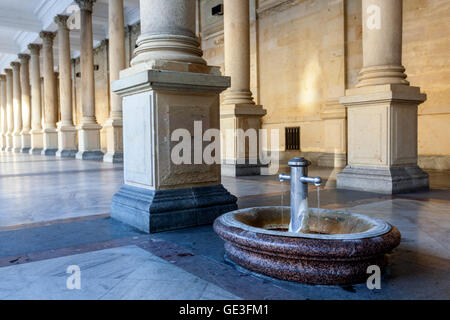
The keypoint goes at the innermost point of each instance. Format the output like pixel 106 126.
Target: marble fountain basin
pixel 336 248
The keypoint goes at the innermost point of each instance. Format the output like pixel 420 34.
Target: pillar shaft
pixel 49 81
pixel 87 62
pixel 382 43
pixel 168 33
pixel 9 109
pixel 89 130
pixel 50 137
pixel 26 102
pixel 116 64
pixel 65 71
pixel 17 106
pixel 4 123
pixel 237 51
pixel 36 107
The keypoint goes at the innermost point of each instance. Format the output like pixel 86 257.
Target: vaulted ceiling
pixel 21 21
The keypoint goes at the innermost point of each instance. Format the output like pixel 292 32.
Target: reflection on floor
pixel 54 213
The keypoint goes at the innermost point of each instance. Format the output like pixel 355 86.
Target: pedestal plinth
pixel 382 140
pixel 26 142
pixel 89 142
pixel 114 141
pixel 50 141
pixel 36 141
pixel 160 194
pixel 67 141
pixel 240 125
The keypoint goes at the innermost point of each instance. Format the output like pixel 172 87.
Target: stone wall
pixel 305 53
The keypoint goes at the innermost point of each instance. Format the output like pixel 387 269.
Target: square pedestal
pixel 9 142
pixel 114 140
pixel 89 142
pixel 382 140
pixel 17 143
pixel 50 142
pixel 37 142
pixel 67 142
pixel 26 143
pixel 240 125
pixel 161 193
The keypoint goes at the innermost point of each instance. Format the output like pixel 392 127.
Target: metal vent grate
pixel 292 138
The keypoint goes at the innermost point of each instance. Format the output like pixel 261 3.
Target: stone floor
pixel 54 214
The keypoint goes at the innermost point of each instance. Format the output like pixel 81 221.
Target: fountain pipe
pixel 299 186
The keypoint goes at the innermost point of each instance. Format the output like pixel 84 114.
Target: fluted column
pixel 26 102
pixel 67 133
pixel 9 109
pixel 116 64
pixel 17 107
pixel 382 43
pixel 50 137
pixel 383 158
pixel 3 120
pixel 88 130
pixel 36 106
pixel 238 111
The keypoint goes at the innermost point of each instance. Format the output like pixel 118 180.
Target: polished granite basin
pixel 336 247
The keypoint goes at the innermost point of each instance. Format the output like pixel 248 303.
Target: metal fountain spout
pixel 299 191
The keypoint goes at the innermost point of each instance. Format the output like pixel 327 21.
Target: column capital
pixel 61 21
pixel 15 65
pixel 47 37
pixel 24 58
pixel 35 48
pixel 86 5
pixel 8 71
pixel 2 77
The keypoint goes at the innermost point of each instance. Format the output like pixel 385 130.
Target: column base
pixel 26 142
pixel 49 152
pixel 383 180
pixel 89 155
pixel 113 157
pixel 241 170
pixel 35 151
pixel 155 211
pixel 50 140
pixel 17 143
pixel 89 142
pixel 66 153
pixel 333 160
pixel 67 142
pixel 114 139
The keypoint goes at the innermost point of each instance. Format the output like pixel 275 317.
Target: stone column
pixel 50 137
pixel 9 109
pixel 238 112
pixel 67 133
pixel 36 108
pixel 88 129
pixel 17 107
pixel 3 121
pixel 116 64
pixel 26 102
pixel 170 87
pixel 382 110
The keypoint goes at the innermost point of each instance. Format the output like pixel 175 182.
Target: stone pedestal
pixel 67 141
pixel 382 140
pixel 37 143
pixel 114 140
pixel 239 155
pixel 158 194
pixel 334 116
pixel 50 141
pixel 89 142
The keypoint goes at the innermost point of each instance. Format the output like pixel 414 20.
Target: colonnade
pixel 29 124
